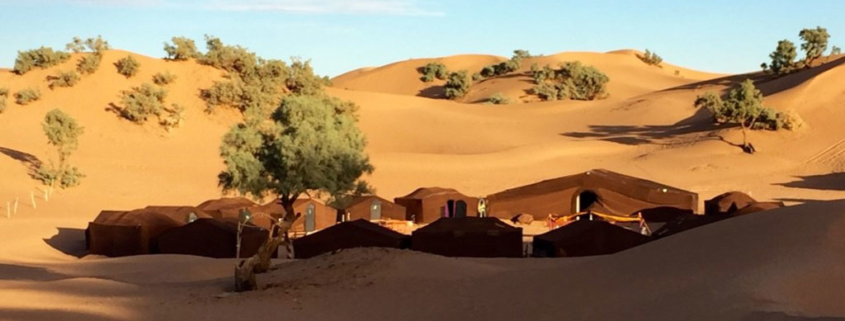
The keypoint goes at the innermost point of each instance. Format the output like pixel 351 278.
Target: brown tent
pixel 224 207
pixel 758 207
pixel 321 216
pixel 727 203
pixel 426 205
pixel 469 237
pixel 211 238
pixel 372 207
pixel 128 233
pixel 585 238
pixel 614 193
pixel 179 213
pixel 346 235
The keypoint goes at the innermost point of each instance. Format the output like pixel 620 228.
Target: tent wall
pixel 456 237
pixel 348 235
pixel 116 240
pixel 211 238
pixel 360 209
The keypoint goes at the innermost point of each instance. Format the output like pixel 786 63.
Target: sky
pixel 343 35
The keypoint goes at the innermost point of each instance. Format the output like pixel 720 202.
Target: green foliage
pixel 457 84
pixel 234 59
pixel 95 45
pixel 651 58
pixel 311 143
pixel 142 102
pixel 835 51
pixel 499 99
pixel 572 81
pixel 477 77
pixel 43 57
pixel 301 79
pixel 500 69
pixel 64 79
pixel 783 59
pixel 519 55
pixel 4 92
pixel 63 133
pixel 89 64
pixel 433 70
pixel 165 78
pixel 182 49
pixel 815 43
pixel 127 66
pixel 744 106
pixel 2 104
pixel 27 95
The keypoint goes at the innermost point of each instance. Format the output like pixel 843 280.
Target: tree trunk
pixel 744 137
pixel 260 262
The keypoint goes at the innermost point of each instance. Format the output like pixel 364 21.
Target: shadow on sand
pixel 31 162
pixel 70 241
pixel 830 182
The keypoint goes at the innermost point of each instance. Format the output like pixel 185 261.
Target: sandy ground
pixel 777 265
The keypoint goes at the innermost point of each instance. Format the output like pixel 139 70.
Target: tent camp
pixel 373 208
pixel 426 205
pixel 346 235
pixel 727 203
pixel 469 237
pixel 598 190
pixel 211 238
pixel 689 222
pixel 130 233
pixel 585 238
pixel 228 208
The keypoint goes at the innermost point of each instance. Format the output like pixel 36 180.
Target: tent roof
pixel 602 177
pixel 367 198
pixel 225 203
pixel 466 224
pixel 578 229
pixel 425 192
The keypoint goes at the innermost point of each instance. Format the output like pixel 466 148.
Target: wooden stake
pixel 16 206
pixel 8 210
pixel 32 197
pixel 46 196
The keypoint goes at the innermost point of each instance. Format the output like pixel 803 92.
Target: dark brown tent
pixel 758 207
pixel 727 203
pixel 372 207
pixel 689 222
pixel 469 237
pixel 224 207
pixel 585 238
pixel 211 238
pixel 615 194
pixel 179 213
pixel 346 235
pixel 426 205
pixel 315 215
pixel 128 233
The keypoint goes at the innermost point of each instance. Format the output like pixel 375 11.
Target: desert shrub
pixel 477 77
pixel 43 57
pixel 744 106
pixel 519 55
pixel 651 58
pixel 225 93
pixel 182 49
pixel 815 44
pixel 174 115
pixel 783 59
pixel 89 64
pixel 142 102
pixel 457 84
pixel 27 95
pixel 4 92
pixel 433 70
pixel 677 72
pixel 499 69
pixel 127 66
pixel 165 78
pixel 64 79
pixel 301 79
pixel 2 104
pixel 835 51
pixel 62 132
pixel 499 99
pixel 235 59
pixel 572 81
pixel 95 45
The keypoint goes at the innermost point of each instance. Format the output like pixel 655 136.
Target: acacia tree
pixel 743 106
pixel 309 144
pixel 783 59
pixel 815 43
pixel 63 132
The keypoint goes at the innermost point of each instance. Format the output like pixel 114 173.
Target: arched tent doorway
pixel 583 200
pixel 375 210
pixel 310 218
pixel 460 209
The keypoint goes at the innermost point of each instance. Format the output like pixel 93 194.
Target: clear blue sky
pixel 341 35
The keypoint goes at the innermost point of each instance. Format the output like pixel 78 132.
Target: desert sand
pixel 783 264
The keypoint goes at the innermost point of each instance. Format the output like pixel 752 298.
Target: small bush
pixel 572 81
pixel 26 96
pixel 127 66
pixel 519 55
pixel 835 51
pixel 433 70
pixel 234 59
pixel 89 64
pixel 174 117
pixel 499 69
pixel 651 58
pixel 66 178
pixel 457 84
pixel 223 94
pixel 142 102
pixel 95 45
pixel 499 99
pixel 4 92
pixel 783 59
pixel 2 104
pixel 477 77
pixel 165 78
pixel 43 57
pixel 815 44
pixel 64 79
pixel 182 49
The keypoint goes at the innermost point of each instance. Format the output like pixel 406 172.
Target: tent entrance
pixel 375 210
pixel 310 218
pixel 584 200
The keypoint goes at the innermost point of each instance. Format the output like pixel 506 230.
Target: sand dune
pixel 648 128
